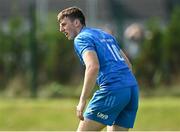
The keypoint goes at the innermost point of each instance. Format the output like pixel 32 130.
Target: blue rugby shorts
pixel 114 107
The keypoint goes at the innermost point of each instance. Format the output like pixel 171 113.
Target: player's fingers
pixel 80 115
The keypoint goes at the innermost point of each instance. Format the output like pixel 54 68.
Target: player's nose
pixel 61 29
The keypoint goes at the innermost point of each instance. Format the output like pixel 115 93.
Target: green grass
pixel 158 114
pixel 59 114
pixel 37 115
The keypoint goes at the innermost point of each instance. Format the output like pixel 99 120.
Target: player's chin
pixel 70 38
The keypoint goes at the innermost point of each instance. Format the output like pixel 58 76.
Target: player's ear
pixel 77 22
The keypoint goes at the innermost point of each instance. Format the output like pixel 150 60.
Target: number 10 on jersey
pixel 115 52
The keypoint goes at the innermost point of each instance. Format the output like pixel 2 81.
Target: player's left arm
pixel 92 68
pixel 126 59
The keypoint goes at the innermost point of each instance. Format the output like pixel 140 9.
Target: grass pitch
pixel 59 114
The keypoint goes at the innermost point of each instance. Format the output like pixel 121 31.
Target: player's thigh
pixel 90 125
pixel 116 128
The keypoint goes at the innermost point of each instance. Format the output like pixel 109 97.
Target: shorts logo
pixel 102 116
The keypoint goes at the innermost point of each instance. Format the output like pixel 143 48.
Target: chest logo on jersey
pixel 106 40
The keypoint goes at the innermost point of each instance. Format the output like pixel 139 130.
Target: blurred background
pixel 41 77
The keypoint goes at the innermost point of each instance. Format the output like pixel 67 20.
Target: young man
pixel 116 102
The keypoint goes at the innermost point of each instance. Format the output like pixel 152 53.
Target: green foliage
pixel 56 90
pixel 58 58
pixel 149 62
pixel 158 61
pixel 13 46
pixel 55 55
pixel 159 58
pixel 16 87
pixel 172 43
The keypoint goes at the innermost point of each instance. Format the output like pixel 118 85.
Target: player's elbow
pixel 96 68
pixel 93 68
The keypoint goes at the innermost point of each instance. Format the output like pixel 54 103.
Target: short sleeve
pixel 83 43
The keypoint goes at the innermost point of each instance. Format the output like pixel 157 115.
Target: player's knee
pixel 89 125
pixel 116 128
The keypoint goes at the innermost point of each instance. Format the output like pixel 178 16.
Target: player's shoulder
pixel 89 33
pixel 84 34
pixel 102 34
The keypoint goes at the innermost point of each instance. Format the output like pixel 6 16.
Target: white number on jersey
pixel 115 52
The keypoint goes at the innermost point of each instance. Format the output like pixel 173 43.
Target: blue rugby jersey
pixel 114 72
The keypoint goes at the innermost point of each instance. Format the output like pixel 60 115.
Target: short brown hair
pixel 72 13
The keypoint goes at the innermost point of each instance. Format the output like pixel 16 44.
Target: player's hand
pixel 80 109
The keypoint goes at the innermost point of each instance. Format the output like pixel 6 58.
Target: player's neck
pixel 80 29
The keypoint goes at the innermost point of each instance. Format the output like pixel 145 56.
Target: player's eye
pixel 63 24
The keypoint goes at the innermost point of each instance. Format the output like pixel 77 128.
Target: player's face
pixel 68 27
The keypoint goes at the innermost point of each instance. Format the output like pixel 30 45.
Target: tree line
pixel 158 61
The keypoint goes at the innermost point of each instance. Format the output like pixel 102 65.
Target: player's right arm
pixel 92 69
pixel 85 48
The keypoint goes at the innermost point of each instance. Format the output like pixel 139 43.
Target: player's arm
pixel 91 71
pixel 126 59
